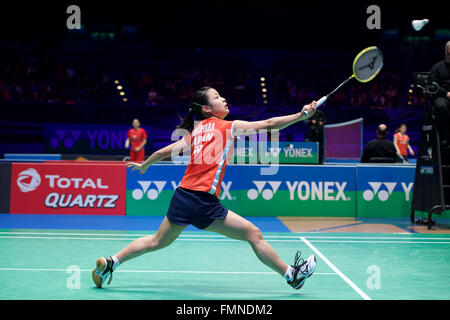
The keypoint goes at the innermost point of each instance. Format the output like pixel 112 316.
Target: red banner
pixel 44 188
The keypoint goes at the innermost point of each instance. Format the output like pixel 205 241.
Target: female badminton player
pixel 196 201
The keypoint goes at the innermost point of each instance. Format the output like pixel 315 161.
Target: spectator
pixel 401 143
pixel 315 133
pixel 137 137
pixel 379 150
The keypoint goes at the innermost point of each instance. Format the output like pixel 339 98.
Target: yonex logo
pixel 28 180
pixel 273 152
pixel 383 195
pixel 267 194
pixel 68 140
pixel 152 194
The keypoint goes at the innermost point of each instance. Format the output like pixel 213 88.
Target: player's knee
pixel 254 234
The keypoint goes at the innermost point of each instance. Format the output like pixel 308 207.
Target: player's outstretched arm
pixel 158 155
pixel 276 122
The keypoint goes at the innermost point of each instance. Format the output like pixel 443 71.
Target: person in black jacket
pixel 379 149
pixel 315 133
pixel 440 73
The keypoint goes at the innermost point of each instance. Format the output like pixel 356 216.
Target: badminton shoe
pixel 303 269
pixel 103 271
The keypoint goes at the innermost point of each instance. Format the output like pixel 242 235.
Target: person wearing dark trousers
pixel 380 150
pixel 440 73
pixel 315 133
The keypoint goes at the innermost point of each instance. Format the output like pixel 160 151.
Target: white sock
pixel 116 262
pixel 289 274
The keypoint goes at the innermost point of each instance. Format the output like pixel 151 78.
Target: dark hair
pixel 198 100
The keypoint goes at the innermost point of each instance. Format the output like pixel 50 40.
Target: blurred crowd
pixel 385 91
pixel 45 80
pixel 175 83
pixel 42 81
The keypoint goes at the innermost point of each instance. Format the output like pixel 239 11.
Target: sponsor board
pixel 293 191
pixel 259 152
pixel 68 189
pixel 87 139
pixel 289 152
pixel 384 191
pixel 149 194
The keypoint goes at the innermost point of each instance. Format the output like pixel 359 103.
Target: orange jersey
pixel 136 137
pixel 211 143
pixel 402 142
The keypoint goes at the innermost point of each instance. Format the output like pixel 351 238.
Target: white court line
pixel 225 240
pixel 368 241
pixel 335 269
pixel 215 236
pixel 122 239
pixel 156 271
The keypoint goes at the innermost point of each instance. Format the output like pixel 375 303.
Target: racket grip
pixel 321 100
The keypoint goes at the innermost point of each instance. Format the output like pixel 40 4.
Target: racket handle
pixel 321 100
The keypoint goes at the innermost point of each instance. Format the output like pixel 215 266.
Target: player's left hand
pixel 136 166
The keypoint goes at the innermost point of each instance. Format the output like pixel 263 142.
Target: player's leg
pixel 166 234
pixel 236 227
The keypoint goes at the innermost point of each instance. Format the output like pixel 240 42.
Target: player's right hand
pixel 310 108
pixel 136 166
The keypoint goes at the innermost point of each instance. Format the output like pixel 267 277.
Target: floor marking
pixel 216 236
pixel 368 241
pixel 226 240
pixel 156 271
pixel 335 269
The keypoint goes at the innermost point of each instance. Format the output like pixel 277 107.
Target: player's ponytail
pixel 200 99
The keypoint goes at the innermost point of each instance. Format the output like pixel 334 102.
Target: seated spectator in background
pixel 379 150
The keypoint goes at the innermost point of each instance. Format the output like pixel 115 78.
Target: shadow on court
pixel 197 291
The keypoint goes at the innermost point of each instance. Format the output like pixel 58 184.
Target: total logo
pixel 28 180
pixel 154 188
pixel 383 190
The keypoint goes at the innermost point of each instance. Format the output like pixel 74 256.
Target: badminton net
pixel 343 141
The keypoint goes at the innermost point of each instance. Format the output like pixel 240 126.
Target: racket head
pixel 367 64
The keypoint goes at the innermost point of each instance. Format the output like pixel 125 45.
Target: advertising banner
pixel 97 189
pixel 384 191
pixel 289 152
pixel 263 152
pixel 149 194
pixel 289 191
pixel 246 151
pixel 87 138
